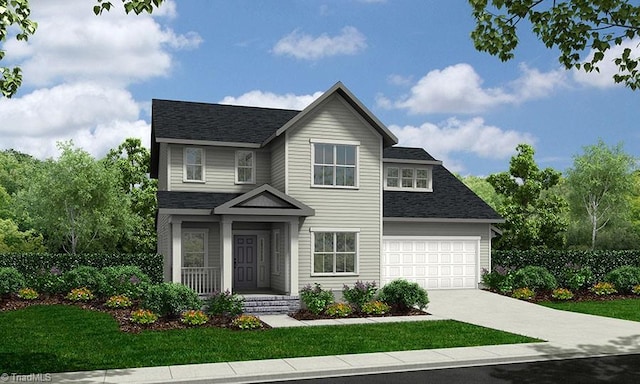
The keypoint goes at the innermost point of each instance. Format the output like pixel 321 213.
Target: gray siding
pixel 445 229
pixel 162 167
pixel 338 208
pixel 278 169
pixel 219 170
pixel 164 244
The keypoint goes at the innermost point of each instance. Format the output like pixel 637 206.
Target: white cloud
pixel 458 89
pixel 302 46
pixel 271 100
pixel 608 68
pixel 471 136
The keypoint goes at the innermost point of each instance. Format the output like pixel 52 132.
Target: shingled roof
pixel 193 200
pixel 407 153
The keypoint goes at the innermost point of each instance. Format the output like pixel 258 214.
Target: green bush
pixel 499 280
pixel 624 278
pixel 48 280
pixel 224 304
pixel 10 281
pixel 361 293
pixel 126 280
pixel 535 278
pixel 575 277
pixel 316 299
pixel 170 299
pixel 402 295
pixel 87 277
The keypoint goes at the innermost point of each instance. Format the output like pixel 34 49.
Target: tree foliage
pixel 16 13
pixel 481 187
pixel 532 210
pixel 600 185
pixel 570 26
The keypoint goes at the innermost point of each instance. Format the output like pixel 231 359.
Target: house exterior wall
pixel 445 229
pixel 219 170
pixel 163 164
pixel 213 240
pixel 278 168
pixel 163 228
pixel 336 208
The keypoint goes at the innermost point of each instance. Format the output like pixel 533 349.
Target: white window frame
pixel 335 231
pixel 185 174
pixel 252 167
pixel 198 231
pixel 414 178
pixel 356 166
pixel 277 251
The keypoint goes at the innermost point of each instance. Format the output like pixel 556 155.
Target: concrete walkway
pixel 567 334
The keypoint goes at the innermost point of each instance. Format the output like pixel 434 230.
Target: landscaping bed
pixel 305 314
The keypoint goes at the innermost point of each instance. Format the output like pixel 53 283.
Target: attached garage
pixel 433 262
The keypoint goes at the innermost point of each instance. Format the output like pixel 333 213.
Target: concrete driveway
pixel 567 332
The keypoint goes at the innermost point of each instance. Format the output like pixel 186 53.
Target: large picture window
pixel 193 164
pixel 245 167
pixel 335 252
pixel 334 165
pixel 194 249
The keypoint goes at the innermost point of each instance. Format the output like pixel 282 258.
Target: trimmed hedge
pixel 31 264
pixel 601 262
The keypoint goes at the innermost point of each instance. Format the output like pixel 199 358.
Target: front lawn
pixel 626 309
pixel 57 338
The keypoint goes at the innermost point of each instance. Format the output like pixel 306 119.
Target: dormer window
pixel 245 167
pixel 193 164
pixel 408 178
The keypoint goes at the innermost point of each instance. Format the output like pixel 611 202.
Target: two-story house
pixel 270 200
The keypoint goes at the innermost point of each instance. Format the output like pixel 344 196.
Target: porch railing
pixel 202 280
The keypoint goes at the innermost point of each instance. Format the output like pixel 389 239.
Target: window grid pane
pixel 334 252
pixel 334 165
pixel 193 164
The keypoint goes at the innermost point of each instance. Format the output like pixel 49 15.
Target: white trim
pixel 286 163
pixel 205 233
pixel 184 211
pixel 203 162
pixel 334 141
pixel 294 258
pixel 441 220
pixel 356 263
pixel 176 251
pixel 414 178
pixel 277 251
pixel 168 167
pixel 407 161
pixel 253 167
pixel 207 142
pixel 332 229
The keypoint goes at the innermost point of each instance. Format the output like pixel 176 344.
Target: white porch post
pixel 226 253
pixel 176 251
pixel 293 257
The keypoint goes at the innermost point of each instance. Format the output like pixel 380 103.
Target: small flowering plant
pixel 375 308
pixel 194 317
pixel 80 294
pixel 338 310
pixel 523 293
pixel 562 294
pixel 118 301
pixel 246 322
pixel 143 317
pixel 361 293
pixel 636 289
pixel 603 288
pixel 27 294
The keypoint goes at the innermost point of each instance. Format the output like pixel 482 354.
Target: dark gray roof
pixel 406 153
pixel 193 200
pixel 450 199
pixel 216 122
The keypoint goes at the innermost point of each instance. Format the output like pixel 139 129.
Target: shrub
pixel 562 294
pixel 636 289
pixel 624 278
pixel 194 317
pixel 499 280
pixel 224 304
pixel 575 277
pixel 126 280
pixel 523 293
pixel 536 278
pixel 80 294
pixel 338 310
pixel 143 316
pixel 118 301
pixel 402 295
pixel 361 293
pixel 375 308
pixel 28 294
pixel 603 288
pixel 170 299
pixel 48 280
pixel 10 281
pixel 246 322
pixel 85 276
pixel 316 299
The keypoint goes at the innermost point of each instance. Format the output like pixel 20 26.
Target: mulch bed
pixel 582 295
pixel 122 316
pixel 305 314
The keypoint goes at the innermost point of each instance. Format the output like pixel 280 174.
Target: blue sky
pixel 91 79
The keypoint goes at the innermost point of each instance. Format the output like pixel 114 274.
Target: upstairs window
pixel 245 167
pixel 334 165
pixel 407 178
pixel 193 164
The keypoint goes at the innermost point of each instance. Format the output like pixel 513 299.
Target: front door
pixel 244 262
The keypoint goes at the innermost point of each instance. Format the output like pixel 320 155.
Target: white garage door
pixel 434 263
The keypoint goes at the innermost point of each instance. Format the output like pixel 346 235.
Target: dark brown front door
pixel 244 262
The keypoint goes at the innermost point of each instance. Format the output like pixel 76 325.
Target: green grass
pixel 56 338
pixel 627 309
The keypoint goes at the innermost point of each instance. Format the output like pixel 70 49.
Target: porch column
pixel 176 251
pixel 226 254
pixel 293 257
